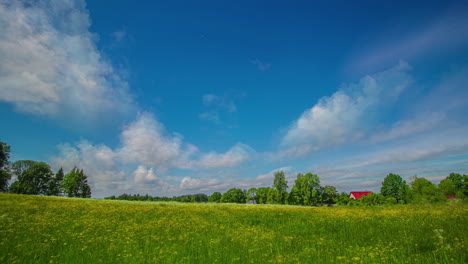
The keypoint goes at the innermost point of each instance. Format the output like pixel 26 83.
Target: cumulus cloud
pixel 145 175
pixel 145 143
pixel 349 113
pixel 50 64
pixel 99 164
pixel 238 154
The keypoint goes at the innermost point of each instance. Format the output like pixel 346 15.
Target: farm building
pixel 358 195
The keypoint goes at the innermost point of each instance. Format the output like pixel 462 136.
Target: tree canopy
pixel 75 184
pixel 5 175
pixel 394 186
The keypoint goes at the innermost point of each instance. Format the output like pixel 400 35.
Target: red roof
pixel 359 195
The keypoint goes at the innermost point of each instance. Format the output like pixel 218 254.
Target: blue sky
pixel 178 97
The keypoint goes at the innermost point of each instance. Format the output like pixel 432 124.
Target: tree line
pixel 190 198
pixel 308 191
pixel 33 177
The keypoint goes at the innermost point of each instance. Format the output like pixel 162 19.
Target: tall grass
pixel 58 230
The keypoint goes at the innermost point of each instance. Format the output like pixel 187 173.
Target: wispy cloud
pixel 349 114
pixel 443 33
pixel 261 66
pixel 119 35
pixel 50 65
pixel 219 101
pixel 211 116
pixel 216 105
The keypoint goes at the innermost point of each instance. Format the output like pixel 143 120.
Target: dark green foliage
pixel 215 197
pixel 307 190
pixel 372 199
pixel 55 186
pixel 455 184
pixel 273 196
pixel 394 186
pixel 343 199
pixel 75 184
pixel 18 167
pixel 251 194
pixel 329 194
pixel 424 191
pixel 233 195
pixel 261 196
pixel 5 175
pixel 32 177
pixel 281 186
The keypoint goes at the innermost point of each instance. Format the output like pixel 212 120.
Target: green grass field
pixel 59 230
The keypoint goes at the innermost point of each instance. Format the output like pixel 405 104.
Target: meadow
pixel 36 229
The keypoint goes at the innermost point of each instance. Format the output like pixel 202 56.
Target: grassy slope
pixel 60 230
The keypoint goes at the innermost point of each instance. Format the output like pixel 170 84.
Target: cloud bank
pixel 146 144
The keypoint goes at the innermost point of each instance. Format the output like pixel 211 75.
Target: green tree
pixel 75 184
pixel 32 177
pixel 5 175
pixel 394 186
pixel 215 197
pixel 55 185
pixel 261 196
pixel 373 199
pixel 306 189
pixel 281 186
pixel 448 188
pixel 329 194
pixel 233 195
pixel 251 193
pixel 343 199
pixel 460 183
pixel 424 191
pixel 295 196
pixel 457 180
pixel 272 196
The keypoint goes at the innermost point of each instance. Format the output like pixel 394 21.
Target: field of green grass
pixel 59 230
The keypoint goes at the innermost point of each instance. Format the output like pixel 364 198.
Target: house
pixel 358 195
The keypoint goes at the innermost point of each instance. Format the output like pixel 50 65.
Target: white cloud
pixel 98 163
pixel 212 116
pixel 145 176
pixel 238 154
pixel 408 127
pixel 50 64
pixel 442 34
pixel 220 102
pixel 348 115
pixel 188 183
pixel 146 142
